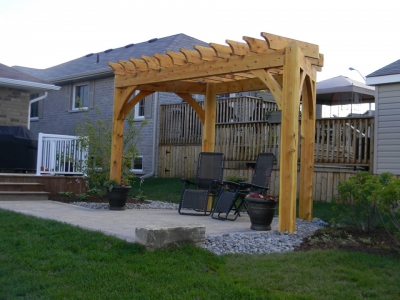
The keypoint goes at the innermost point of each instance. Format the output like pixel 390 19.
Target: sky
pixel 362 34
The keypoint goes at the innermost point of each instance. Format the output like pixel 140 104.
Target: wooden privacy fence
pixel 344 141
pixel 243 131
pixel 179 124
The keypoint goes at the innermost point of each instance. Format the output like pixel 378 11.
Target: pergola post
pixel 121 109
pixel 289 139
pixel 117 137
pixel 210 108
pixel 307 149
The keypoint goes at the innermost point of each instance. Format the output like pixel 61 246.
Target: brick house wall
pixel 59 118
pixel 13 107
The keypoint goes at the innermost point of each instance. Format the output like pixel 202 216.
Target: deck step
pixel 23 196
pixel 21 187
pixel 15 191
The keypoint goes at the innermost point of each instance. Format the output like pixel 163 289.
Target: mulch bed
pixel 378 242
pixel 91 198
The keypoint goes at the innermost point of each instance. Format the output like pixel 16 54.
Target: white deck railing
pixel 60 154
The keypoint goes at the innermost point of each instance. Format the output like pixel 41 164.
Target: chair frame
pixel 229 204
pixel 206 186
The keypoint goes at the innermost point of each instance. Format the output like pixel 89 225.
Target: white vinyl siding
pixel 387 129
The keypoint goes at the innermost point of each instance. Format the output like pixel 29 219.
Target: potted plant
pixel 117 194
pixel 261 210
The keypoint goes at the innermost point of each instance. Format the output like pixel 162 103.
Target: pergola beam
pixel 196 107
pixel 204 69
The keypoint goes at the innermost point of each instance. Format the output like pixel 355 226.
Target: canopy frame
pixel 284 66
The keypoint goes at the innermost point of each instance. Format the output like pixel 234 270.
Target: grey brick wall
pixel 14 107
pixel 58 120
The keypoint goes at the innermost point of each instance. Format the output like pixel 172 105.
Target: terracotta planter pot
pixel 117 197
pixel 261 213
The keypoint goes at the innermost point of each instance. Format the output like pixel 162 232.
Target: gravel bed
pixel 263 242
pixel 151 205
pixel 248 243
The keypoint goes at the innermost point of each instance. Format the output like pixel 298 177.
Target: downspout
pixel 155 123
pixel 29 110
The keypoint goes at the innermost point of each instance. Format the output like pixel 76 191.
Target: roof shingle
pixel 97 62
pixel 391 69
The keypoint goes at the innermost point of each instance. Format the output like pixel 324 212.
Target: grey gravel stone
pixel 249 243
pixel 263 242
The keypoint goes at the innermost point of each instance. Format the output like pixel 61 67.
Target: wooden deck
pixel 52 184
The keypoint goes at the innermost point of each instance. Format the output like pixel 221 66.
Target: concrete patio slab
pixel 123 224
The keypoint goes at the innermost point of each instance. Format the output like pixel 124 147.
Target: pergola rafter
pixel 285 66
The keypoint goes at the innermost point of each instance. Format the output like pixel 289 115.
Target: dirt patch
pixel 379 241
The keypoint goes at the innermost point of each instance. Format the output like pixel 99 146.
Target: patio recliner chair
pixel 232 195
pixel 195 201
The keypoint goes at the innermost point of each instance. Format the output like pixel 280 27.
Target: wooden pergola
pixel 285 66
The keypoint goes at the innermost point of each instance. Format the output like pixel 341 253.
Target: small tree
pixel 95 134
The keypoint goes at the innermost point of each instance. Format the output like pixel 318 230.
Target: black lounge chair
pixel 232 195
pixel 210 167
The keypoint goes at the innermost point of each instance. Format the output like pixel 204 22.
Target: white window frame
pixel 35 118
pixel 74 97
pixel 137 171
pixel 137 107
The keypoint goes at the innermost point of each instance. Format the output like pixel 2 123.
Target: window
pixel 139 109
pixel 137 164
pixel 80 97
pixel 34 107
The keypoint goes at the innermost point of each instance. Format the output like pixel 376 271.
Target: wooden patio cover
pixel 285 66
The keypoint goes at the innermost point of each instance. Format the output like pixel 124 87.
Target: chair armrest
pixel 184 180
pixel 216 181
pixel 186 183
pixel 231 183
pixel 245 185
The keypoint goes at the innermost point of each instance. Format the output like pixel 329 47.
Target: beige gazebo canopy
pixel 285 66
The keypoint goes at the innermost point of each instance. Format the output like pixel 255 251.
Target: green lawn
pixel 163 189
pixel 42 259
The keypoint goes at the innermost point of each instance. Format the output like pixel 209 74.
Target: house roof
pixel 390 69
pixel 385 75
pixel 10 77
pixel 96 64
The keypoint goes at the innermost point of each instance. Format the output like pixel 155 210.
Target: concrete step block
pixel 162 236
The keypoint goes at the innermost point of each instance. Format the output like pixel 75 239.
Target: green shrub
pixel 360 208
pixel 388 198
pixel 236 178
pixel 95 134
pixel 81 197
pixel 65 194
